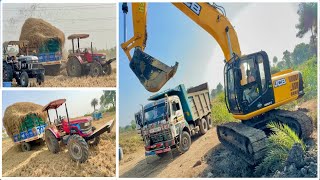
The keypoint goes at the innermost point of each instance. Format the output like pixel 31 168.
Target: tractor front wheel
pixel 25 146
pixel 74 68
pixel 24 79
pixel 40 78
pixel 78 148
pixel 52 142
pixel 94 142
pixel 95 69
pixel 107 69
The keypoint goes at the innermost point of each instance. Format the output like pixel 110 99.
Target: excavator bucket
pixel 152 73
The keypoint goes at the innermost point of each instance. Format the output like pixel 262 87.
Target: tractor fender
pixel 54 131
pixel 78 58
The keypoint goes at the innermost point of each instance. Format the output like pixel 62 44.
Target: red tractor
pixel 78 134
pixel 82 61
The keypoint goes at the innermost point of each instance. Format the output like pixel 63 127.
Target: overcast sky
pixel 98 20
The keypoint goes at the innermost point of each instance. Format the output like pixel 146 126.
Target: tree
pixel 281 65
pixel 213 93
pixel 308 22
pixel 300 53
pixel 133 125
pixel 287 58
pixel 219 88
pixel 108 97
pixel 275 60
pixel 94 103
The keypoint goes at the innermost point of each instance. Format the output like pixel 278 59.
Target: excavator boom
pixel 152 73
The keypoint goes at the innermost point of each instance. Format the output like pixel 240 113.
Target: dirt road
pixel 175 165
pixel 41 162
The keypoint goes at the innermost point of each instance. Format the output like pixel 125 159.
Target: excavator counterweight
pixel 152 73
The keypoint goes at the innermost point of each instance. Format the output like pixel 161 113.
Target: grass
pixel 219 111
pixel 130 141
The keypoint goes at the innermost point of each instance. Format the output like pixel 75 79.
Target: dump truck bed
pixel 195 101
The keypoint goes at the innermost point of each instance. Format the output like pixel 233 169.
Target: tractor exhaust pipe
pixel 152 73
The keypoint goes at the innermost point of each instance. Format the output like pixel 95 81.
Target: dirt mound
pixel 16 113
pixel 38 32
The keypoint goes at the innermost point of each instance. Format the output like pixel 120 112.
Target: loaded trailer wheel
pixel 25 146
pixel 78 148
pixel 52 142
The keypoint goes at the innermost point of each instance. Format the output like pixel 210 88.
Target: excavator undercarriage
pixel 249 138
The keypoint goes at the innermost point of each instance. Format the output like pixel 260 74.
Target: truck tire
pixel 185 142
pixel 7 72
pixel 203 126
pixel 25 146
pixel 94 142
pixel 209 121
pixel 23 79
pixel 78 149
pixel 52 142
pixel 107 69
pixel 95 69
pixel 74 68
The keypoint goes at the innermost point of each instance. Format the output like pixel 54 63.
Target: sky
pixel 97 20
pixel 172 36
pixel 78 101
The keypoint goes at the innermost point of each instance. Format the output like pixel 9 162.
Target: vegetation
pixel 219 111
pixel 130 141
pixel 94 103
pixel 108 97
pixel 279 144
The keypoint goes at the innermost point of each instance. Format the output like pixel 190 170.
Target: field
pixel 41 162
pixel 63 80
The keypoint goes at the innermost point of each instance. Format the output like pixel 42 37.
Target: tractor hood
pixel 78 120
pixel 99 56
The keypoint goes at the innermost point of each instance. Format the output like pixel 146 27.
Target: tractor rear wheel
pixel 94 142
pixel 25 147
pixel 52 142
pixel 7 72
pixel 95 69
pixel 107 69
pixel 78 148
pixel 24 79
pixel 74 68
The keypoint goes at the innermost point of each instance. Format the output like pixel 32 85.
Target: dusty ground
pixel 205 158
pixel 41 162
pixel 63 80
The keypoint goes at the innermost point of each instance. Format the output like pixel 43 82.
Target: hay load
pixel 42 36
pixel 16 116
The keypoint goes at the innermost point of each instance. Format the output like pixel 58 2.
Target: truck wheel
pixel 94 142
pixel 95 69
pixel 209 122
pixel 78 148
pixel 52 142
pixel 23 79
pixel 7 72
pixel 52 70
pixel 203 126
pixel 107 69
pixel 185 142
pixel 40 78
pixel 74 68
pixel 25 147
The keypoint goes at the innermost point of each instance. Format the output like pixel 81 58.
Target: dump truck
pixel 172 117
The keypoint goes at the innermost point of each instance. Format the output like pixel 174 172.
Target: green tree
pixel 94 103
pixel 281 65
pixel 133 125
pixel 108 97
pixel 219 88
pixel 213 93
pixel 275 60
pixel 308 22
pixel 300 53
pixel 287 58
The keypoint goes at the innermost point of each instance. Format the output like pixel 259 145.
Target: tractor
pixel 21 67
pixel 78 134
pixel 82 61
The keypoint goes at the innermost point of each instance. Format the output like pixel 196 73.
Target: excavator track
pixel 248 139
pixel 248 142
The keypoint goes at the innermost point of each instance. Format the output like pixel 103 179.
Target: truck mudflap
pixel 105 128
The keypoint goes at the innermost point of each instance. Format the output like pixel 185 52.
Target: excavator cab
pixel 248 83
pixel 152 73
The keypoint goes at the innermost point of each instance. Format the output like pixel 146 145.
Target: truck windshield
pixel 155 113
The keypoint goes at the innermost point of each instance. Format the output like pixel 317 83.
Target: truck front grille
pixel 160 136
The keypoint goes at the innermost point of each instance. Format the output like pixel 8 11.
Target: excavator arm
pixel 152 73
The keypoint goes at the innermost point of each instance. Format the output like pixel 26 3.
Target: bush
pixel 130 141
pixel 310 78
pixel 219 111
pixel 279 144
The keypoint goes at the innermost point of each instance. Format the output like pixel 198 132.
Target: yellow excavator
pixel 252 93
